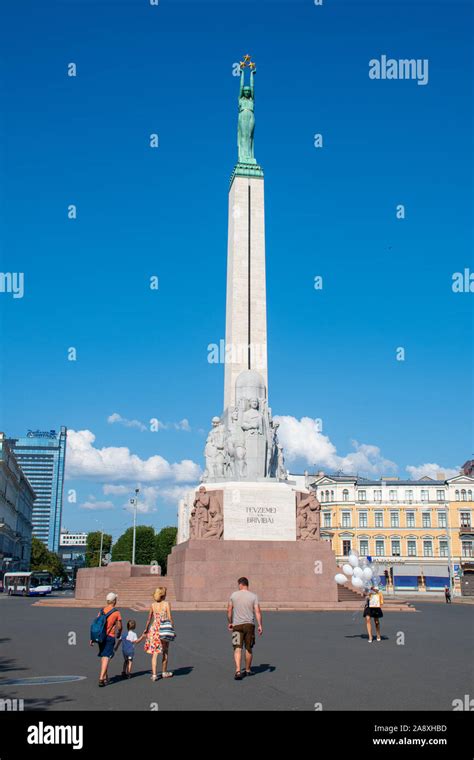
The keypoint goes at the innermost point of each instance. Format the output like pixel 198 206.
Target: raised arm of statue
pixel 241 82
pixel 252 83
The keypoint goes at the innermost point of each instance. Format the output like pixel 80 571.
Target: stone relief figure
pixel 214 451
pixel 252 419
pixel 193 524
pixel 243 445
pixel 300 522
pixel 308 522
pixel 281 471
pixel 201 512
pixel 236 466
pixel 215 526
pixel 255 440
pixel 206 519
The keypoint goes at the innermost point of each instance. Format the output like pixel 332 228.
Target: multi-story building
pixel 16 508
pixel 42 455
pixel 72 550
pixel 418 532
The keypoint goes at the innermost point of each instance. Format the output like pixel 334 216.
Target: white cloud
pixel 117 418
pixel 155 424
pixel 115 464
pixel 183 425
pixel 97 505
pixel 302 439
pixel 110 490
pixel 431 470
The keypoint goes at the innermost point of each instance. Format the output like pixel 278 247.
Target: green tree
pixel 43 559
pixel 93 547
pixel 144 546
pixel 164 542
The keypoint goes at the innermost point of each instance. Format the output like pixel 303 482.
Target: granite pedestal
pixel 279 571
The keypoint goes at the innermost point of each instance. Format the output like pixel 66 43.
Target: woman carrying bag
pixel 159 632
pixel 373 610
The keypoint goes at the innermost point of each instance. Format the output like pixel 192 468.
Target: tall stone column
pixel 246 320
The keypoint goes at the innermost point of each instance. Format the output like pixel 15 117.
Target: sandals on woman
pixel 167 674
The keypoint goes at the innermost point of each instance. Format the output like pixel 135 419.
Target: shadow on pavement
pixel 7 664
pixel 43 704
pixel 263 668
pixel 365 636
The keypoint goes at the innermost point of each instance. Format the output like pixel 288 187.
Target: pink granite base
pixel 278 571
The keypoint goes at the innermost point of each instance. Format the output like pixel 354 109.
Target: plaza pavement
pixel 304 658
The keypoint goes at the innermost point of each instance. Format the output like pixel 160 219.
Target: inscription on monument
pixel 264 513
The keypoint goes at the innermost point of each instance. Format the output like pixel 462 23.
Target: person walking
pixel 129 640
pixel 447 594
pixel 373 610
pixel 159 617
pixel 113 630
pixel 242 610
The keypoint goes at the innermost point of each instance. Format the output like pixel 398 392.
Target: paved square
pixel 303 658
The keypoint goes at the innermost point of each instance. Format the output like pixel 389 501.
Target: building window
pixel 346 519
pixel 409 496
pixel 377 495
pixel 395 548
pixel 362 495
pixel 327 519
pixel 379 548
pixel 332 495
pixel 346 548
pixel 469 495
pixel 463 494
pixel 443 548
pixel 426 520
pixel 440 495
pixel 362 519
pixel 394 520
pixel 392 495
pixel 467 550
pixel 427 548
pixel 379 519
pixel 410 519
pixel 411 548
pixel 457 495
pixel 345 495
pixel 363 547
pixel 327 495
pixel 465 519
pixel 424 495
pixel 442 520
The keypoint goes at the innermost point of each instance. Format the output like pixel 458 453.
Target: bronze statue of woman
pixel 246 125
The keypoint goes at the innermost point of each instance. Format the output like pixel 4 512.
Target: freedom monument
pixel 247 517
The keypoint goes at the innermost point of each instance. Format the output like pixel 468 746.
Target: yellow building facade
pixel 419 533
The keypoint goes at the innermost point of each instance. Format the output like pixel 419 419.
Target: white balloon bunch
pixel 360 572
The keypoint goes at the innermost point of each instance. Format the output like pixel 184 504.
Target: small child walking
pixel 128 640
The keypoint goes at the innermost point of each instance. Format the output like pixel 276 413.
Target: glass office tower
pixel 42 455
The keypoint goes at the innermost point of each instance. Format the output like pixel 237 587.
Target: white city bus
pixel 27 584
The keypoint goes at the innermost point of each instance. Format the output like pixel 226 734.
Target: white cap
pixel 111 597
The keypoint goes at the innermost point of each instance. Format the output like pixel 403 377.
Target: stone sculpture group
pixel 243 444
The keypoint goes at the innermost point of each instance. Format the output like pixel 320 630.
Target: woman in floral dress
pixel 159 611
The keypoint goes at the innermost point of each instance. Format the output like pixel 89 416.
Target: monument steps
pixel 140 589
pixel 143 606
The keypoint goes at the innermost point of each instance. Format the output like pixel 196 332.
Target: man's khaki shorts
pixel 243 635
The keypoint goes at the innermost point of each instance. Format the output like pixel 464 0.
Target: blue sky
pixel 142 354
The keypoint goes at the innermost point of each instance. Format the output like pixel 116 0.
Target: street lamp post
pixel 101 546
pixel 135 507
pixel 450 560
